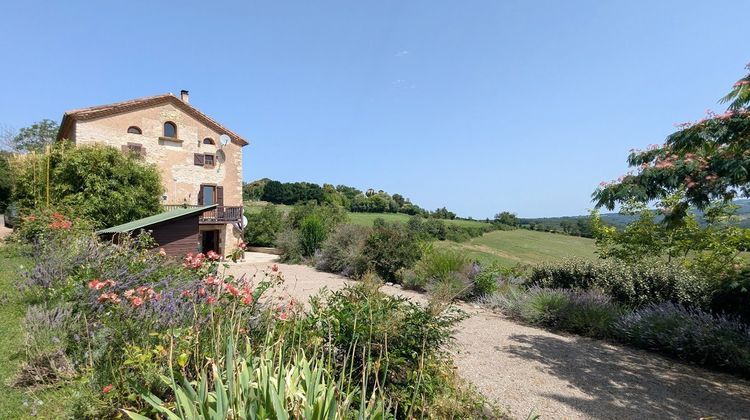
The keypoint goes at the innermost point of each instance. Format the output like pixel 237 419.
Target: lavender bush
pixel 689 334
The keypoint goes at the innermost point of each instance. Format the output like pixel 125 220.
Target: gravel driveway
pixel 526 369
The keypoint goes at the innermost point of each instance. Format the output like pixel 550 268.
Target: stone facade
pixel 174 157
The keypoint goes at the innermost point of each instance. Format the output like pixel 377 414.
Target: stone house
pixel 199 159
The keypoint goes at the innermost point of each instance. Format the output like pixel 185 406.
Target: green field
pixel 508 248
pixel 522 246
pixel 364 219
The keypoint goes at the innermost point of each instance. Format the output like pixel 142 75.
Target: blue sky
pixel 480 106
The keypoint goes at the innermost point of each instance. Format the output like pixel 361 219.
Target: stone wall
pixel 174 158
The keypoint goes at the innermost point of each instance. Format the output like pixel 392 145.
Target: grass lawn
pixel 522 246
pixel 17 403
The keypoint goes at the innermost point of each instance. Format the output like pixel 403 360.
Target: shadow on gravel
pixel 624 383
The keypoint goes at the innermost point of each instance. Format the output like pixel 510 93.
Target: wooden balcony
pixel 218 215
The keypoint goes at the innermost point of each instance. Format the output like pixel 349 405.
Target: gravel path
pixel 526 369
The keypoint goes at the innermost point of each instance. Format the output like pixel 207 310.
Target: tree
pixel 98 182
pixel 506 218
pixel 35 137
pixel 704 161
pixel 253 191
pixel 6 180
pixel 443 213
pixel 262 227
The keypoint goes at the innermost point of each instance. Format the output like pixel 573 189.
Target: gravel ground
pixel 525 369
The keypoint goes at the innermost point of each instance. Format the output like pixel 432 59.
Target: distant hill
pixel 578 225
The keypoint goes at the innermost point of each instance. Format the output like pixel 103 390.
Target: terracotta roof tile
pixel 139 103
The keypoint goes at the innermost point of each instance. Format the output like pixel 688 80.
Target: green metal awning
pixel 157 218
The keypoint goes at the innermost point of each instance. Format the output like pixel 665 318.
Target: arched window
pixel 134 130
pixel 209 140
pixel 170 129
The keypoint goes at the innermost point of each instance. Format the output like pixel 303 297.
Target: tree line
pixel 350 198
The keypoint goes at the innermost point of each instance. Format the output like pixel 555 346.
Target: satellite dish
pixel 224 139
pixel 244 221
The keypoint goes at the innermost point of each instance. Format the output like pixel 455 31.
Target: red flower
pixel 136 302
pixel 211 300
pixel 107 389
pixel 274 268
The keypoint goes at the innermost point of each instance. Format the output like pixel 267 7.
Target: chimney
pixel 185 96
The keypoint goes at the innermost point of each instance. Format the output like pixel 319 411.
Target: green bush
pixel 262 227
pixel 588 313
pixel 391 247
pixel 395 342
pixel 342 252
pixel 329 215
pixel 98 183
pixel 631 284
pixel 486 281
pixel 446 273
pixel 312 233
pixel 288 242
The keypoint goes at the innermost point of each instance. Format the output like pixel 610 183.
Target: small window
pixel 209 140
pixel 134 148
pixel 170 129
pixel 134 130
pixel 208 161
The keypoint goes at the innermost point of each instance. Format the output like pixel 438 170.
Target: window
pixel 211 194
pixel 207 195
pixel 134 130
pixel 208 161
pixel 170 129
pixel 134 148
pixel 209 140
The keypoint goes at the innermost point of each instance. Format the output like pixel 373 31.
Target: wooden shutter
pixel 220 196
pixel 198 159
pixel 200 195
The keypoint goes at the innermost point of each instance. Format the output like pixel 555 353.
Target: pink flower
pixel 136 302
pixel 232 290
pixel 211 300
pixel 107 389
pixel 283 316
pixel 275 268
pixel 201 292
pixel 162 252
pixel 129 293
pixel 247 299
pixel 213 256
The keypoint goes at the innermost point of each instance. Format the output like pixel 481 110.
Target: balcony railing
pixel 220 214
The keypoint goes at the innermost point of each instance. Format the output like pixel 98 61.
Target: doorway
pixel 210 241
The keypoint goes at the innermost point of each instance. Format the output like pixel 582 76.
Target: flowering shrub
pixel 43 224
pixel 690 334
